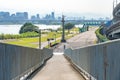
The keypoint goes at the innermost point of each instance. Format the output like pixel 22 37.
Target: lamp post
pixel 63 30
pixel 48 42
pixel 55 38
pixel 39 38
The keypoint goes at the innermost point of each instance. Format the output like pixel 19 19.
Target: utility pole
pixel 39 38
pixel 63 30
pixel 113 4
pixel 55 38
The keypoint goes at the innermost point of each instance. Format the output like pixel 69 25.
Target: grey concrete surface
pixel 83 39
pixel 58 68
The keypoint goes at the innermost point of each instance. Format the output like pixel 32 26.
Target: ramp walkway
pixel 58 67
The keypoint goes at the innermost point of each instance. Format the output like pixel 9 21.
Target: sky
pixel 87 8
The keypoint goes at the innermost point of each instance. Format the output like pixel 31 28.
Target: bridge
pixel 81 59
pixel 88 22
pixel 113 32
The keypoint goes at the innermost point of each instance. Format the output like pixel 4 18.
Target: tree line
pixel 29 30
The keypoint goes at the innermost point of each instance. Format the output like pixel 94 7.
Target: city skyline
pixel 87 8
pixel 49 16
pixel 7 16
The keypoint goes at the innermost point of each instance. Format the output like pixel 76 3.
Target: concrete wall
pixel 17 62
pixel 98 62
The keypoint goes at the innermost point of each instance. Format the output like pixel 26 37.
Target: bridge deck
pixel 58 68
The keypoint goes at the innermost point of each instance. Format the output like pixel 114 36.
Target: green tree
pixel 28 27
pixel 69 26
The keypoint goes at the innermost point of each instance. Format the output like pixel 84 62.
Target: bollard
pixel 64 46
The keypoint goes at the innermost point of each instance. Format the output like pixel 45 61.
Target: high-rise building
pixel 50 16
pixel 53 15
pixel 4 15
pixel 37 16
pixel 21 15
pixel 26 15
pixel 33 17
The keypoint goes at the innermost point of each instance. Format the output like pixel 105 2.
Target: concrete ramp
pixel 58 68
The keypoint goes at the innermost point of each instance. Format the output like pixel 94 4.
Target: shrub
pixel 28 27
pixel 17 36
pixel 101 37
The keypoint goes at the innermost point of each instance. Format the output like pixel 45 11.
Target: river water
pixel 14 29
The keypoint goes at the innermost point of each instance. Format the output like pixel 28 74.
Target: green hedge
pixel 17 36
pixel 101 37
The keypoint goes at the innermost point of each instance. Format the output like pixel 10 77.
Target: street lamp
pixel 48 42
pixel 39 38
pixel 63 30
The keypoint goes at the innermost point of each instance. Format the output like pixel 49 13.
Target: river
pixel 14 29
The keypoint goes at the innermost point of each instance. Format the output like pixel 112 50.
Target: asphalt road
pixel 81 40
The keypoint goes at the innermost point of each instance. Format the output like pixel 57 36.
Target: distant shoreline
pixel 23 23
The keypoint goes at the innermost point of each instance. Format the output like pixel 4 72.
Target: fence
pixel 17 62
pixel 98 62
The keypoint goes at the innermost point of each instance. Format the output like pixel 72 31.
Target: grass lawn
pixel 67 37
pixel 28 42
pixel 33 42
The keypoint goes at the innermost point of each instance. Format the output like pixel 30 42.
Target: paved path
pixel 44 44
pixel 58 68
pixel 81 40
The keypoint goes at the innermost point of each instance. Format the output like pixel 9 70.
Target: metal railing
pixel 98 62
pixel 18 62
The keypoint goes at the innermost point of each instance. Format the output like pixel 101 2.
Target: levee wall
pixel 98 62
pixel 17 62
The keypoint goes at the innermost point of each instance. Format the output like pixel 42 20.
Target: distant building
pixel 21 15
pixel 4 15
pixel 35 17
pixel 47 17
pixel 26 15
pixel 50 16
pixel 59 18
pixel 53 15
pixel 38 16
